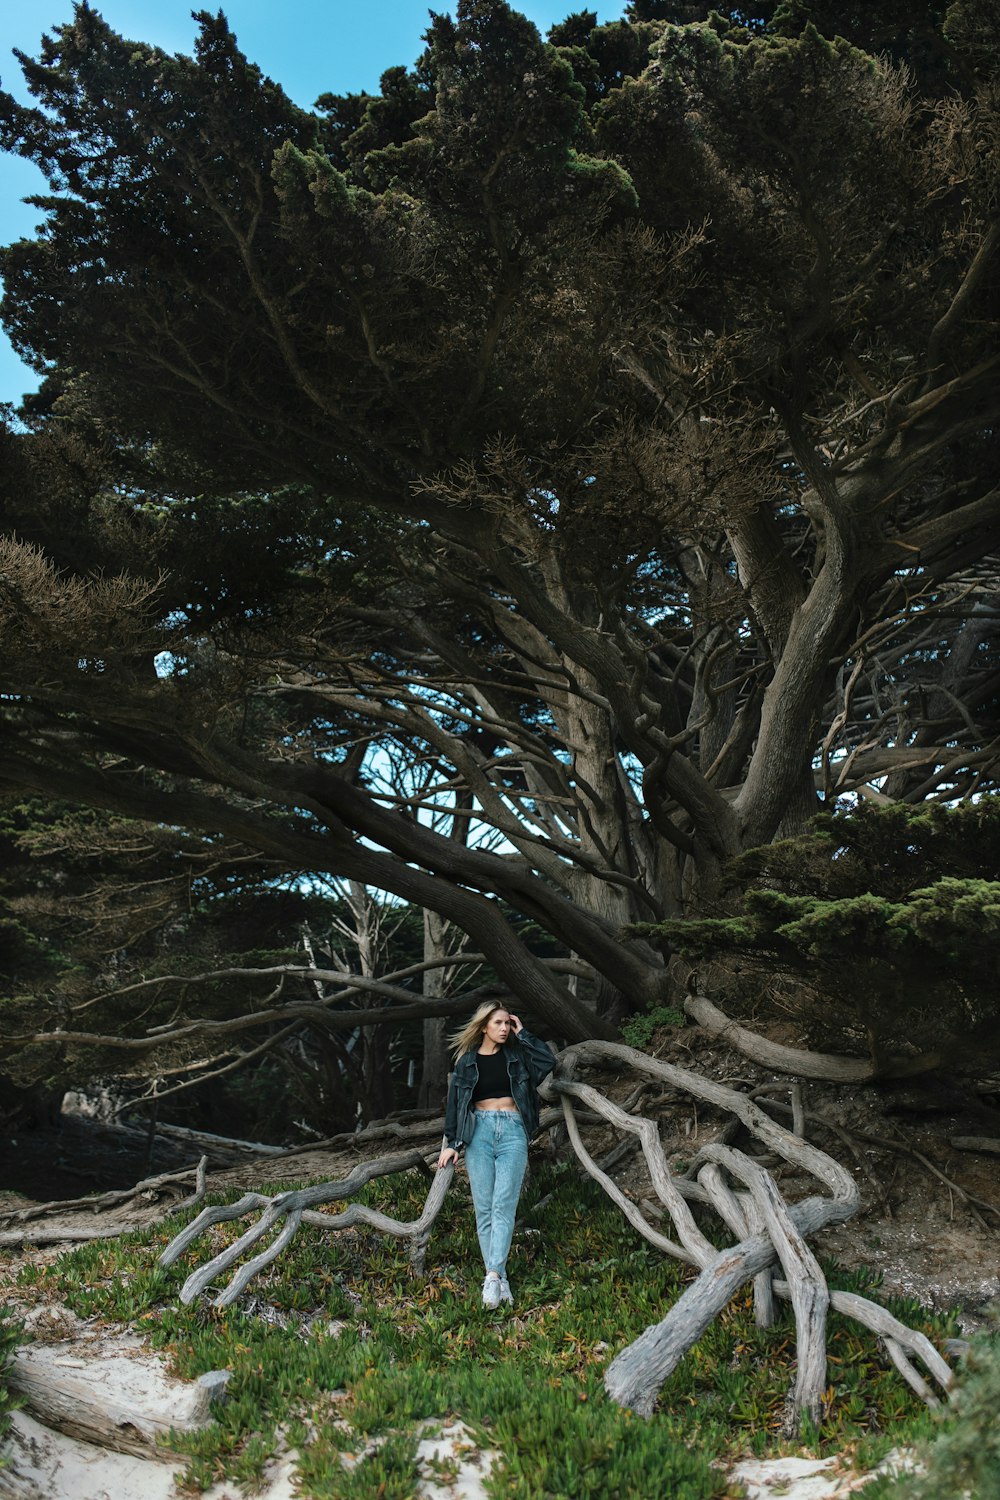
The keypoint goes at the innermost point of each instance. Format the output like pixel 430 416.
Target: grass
pixel 962 1459
pixel 368 1353
pixel 10 1337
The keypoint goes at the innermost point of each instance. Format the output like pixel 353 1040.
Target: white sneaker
pixel 505 1292
pixel 492 1290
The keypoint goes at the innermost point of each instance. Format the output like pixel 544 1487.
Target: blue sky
pixel 308 46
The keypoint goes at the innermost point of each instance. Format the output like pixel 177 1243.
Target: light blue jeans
pixel 496 1160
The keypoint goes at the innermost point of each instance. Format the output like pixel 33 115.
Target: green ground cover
pixel 10 1334
pixel 369 1352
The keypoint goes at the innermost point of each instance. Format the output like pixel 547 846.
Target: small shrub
pixel 10 1337
pixel 638 1030
pixel 963 1458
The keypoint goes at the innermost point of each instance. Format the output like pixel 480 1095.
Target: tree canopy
pixel 883 922
pixel 604 425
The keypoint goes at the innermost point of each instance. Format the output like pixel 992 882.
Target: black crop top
pixel 494 1080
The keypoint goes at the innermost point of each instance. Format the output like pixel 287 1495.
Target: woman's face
pixel 497 1028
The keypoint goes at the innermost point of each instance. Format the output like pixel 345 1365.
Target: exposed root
pixel 771 1236
pixel 799 1061
pixel 16 1231
pixel 886 1143
pixel 852 1142
pixel 769 1232
pixel 795 1060
pixel 297 1208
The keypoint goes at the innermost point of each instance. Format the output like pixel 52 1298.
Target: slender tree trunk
pixel 434 1069
pixel 378 1089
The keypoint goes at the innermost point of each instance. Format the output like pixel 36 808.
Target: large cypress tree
pixel 610 422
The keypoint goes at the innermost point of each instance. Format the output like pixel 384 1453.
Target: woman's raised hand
pixel 515 1023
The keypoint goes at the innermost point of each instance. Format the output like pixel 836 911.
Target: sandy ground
pixel 47 1465
pixel 50 1466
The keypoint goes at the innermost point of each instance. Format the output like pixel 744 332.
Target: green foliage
pixel 638 1030
pixel 569 419
pixel 527 1380
pixel 962 1456
pixel 891 913
pixel 10 1337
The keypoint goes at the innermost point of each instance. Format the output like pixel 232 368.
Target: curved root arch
pixel 771 1234
pixel 290 1210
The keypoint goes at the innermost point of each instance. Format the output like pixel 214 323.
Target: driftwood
pixel 769 1233
pixel 226 1144
pixel 41 1464
pixel 123 1400
pixel 296 1208
pixel 78 1234
pixel 150 1188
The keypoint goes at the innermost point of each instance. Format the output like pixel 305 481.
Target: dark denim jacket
pixel 529 1060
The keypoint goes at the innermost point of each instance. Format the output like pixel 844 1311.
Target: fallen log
pixel 218 1143
pixel 111 1394
pixel 988 1145
pixel 428 1125
pixel 149 1187
pixel 79 1234
pixel 41 1464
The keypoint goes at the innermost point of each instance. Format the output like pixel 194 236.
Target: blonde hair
pixel 471 1034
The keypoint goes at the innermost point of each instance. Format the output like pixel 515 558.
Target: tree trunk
pixel 434 1063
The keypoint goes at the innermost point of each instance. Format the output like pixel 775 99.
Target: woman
pixel 492 1114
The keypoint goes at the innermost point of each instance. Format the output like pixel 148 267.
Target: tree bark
pixel 296 1208
pixel 117 1401
pixel 434 1058
pixel 635 1376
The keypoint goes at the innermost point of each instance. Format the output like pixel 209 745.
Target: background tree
pixel 238 983
pixel 188 976
pixel 616 434
pixel 880 924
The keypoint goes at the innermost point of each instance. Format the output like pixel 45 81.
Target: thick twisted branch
pixel 769 1231
pixel 296 1208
